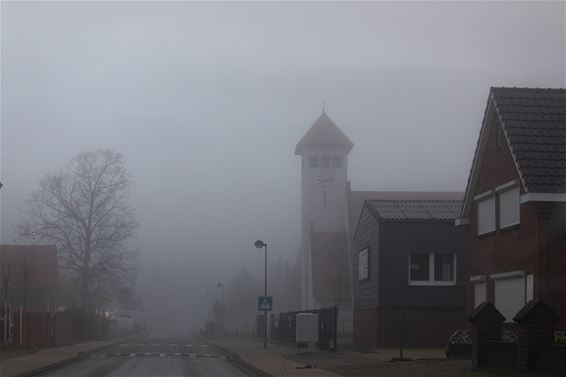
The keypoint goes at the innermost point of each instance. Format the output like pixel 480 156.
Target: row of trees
pixel 84 210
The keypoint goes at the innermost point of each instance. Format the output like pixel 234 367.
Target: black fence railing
pixel 283 327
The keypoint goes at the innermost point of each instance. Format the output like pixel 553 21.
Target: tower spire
pixel 323 106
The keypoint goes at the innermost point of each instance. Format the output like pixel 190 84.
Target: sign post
pixel 265 304
pixel 260 244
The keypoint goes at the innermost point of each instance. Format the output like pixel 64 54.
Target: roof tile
pixel 534 121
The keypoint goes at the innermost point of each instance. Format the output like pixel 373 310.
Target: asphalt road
pixel 153 356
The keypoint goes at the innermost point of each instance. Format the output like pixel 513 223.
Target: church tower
pixel 324 153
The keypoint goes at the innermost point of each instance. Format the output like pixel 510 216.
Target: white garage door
pixel 510 296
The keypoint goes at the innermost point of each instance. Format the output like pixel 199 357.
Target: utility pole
pixel 259 244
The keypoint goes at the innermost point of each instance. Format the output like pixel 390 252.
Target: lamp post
pixel 259 244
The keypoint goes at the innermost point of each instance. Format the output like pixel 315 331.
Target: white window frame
pixel 431 281
pixel 363 264
pixel 517 203
pixel 493 224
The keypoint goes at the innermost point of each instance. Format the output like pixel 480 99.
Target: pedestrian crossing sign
pixel 265 303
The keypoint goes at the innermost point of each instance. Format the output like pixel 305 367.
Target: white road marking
pixel 125 345
pixel 222 357
pixel 157 344
pixel 188 345
pixel 162 354
pixel 148 353
pixel 133 354
pixel 141 344
pixel 204 345
pixel 94 356
pixel 177 354
pixel 173 345
pixel 192 355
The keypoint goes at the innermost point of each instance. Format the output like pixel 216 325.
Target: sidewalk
pixel 286 361
pixel 52 357
pixel 268 362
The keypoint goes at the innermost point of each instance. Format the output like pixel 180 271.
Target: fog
pixel 207 101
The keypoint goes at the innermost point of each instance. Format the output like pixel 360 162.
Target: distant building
pixel 515 203
pixel 324 171
pixel 409 260
pixel 29 277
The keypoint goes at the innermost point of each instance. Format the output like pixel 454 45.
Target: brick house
pixel 29 276
pixel 514 208
pixel 408 273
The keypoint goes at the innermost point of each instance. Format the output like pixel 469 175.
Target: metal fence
pixel 283 327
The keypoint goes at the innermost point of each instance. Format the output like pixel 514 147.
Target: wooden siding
pixel 397 241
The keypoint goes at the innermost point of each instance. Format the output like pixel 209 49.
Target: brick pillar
pixel 486 326
pixel 536 332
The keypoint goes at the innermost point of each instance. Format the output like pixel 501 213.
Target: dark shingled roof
pixel 422 207
pixel 534 121
pixel 324 132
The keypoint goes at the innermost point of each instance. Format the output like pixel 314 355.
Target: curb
pixel 237 359
pixel 77 356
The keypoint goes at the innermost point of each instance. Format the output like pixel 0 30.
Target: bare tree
pixel 241 297
pixel 84 210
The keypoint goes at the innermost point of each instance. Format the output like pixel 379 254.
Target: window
pixel 420 267
pixel 336 162
pixel 363 265
pixel 313 161
pixel 443 267
pixel 509 296
pixel 480 290
pixel 486 215
pixel 432 269
pixel 509 208
pixel 325 162
pixel 530 289
pixel 512 291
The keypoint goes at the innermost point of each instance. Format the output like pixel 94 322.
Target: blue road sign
pixel 265 303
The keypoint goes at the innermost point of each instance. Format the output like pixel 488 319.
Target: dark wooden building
pixel 515 203
pixel 408 276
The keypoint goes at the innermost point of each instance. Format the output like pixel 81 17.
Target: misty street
pixel 153 356
pixel 282 188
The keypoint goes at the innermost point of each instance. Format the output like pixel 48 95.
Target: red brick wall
pixel 542 228
pixel 550 282
pixel 365 329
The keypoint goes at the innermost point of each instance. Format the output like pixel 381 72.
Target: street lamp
pixel 259 244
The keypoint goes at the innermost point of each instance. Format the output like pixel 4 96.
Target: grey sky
pixel 207 101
